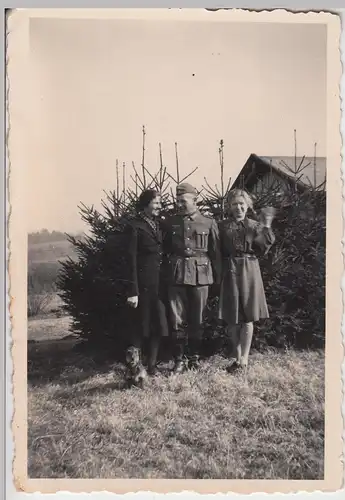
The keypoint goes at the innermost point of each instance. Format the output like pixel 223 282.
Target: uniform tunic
pixel 242 295
pixel 191 244
pixel 144 263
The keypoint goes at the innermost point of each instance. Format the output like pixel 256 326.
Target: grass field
pixel 83 422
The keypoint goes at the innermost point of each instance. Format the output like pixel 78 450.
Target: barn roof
pixel 313 171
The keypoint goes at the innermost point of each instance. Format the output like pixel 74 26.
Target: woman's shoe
pixel 152 371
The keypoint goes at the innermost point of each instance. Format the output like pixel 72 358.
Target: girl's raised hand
pixel 267 215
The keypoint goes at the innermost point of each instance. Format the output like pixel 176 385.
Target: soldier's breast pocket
pixel 201 238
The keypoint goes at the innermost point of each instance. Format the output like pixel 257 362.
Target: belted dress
pixel 242 296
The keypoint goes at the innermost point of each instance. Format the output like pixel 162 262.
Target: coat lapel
pixel 149 229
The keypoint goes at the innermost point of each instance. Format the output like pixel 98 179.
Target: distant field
pixel 43 268
pixel 50 251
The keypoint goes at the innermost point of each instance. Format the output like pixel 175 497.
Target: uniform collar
pixel 191 216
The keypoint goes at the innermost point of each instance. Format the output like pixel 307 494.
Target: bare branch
pixel 138 176
pixel 124 181
pixel 117 179
pixel 171 177
pixel 188 175
pixel 143 158
pixel 210 189
pixel 177 165
pixel 161 166
pixel 153 178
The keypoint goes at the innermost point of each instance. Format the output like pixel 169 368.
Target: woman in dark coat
pixel 145 257
pixel 242 296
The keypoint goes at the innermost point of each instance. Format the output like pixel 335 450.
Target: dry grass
pixel 84 424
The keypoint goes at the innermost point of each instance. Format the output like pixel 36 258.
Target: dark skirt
pixel 150 314
pixel 242 296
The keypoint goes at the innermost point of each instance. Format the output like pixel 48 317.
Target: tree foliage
pixel 93 286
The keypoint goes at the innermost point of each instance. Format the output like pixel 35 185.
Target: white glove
pixel 133 301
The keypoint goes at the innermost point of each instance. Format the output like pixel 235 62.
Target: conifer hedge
pixel 93 286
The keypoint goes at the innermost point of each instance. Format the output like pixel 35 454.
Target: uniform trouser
pixel 187 304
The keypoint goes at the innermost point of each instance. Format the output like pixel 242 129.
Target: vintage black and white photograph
pixel 176 215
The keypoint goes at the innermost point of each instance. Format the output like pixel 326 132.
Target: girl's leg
pixel 234 331
pixel 246 336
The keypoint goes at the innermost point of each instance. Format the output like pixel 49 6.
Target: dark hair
pixel 146 197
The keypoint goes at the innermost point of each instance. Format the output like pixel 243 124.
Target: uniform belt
pixel 191 253
pixel 241 256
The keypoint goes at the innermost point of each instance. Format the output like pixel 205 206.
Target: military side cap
pixel 185 188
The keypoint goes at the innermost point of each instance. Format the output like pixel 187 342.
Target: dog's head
pixel 132 356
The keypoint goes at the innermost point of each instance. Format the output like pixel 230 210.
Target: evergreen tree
pixel 93 287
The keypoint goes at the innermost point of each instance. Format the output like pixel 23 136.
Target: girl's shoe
pixel 236 367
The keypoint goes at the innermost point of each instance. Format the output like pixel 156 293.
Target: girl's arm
pixel 264 238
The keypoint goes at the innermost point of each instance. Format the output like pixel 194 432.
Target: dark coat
pixel 144 265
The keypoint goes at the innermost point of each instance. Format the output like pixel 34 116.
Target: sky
pixel 95 83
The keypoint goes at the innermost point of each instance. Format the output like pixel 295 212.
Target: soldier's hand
pixel 133 301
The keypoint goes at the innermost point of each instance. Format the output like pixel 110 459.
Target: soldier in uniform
pixel 191 245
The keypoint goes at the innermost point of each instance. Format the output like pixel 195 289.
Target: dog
pixel 136 373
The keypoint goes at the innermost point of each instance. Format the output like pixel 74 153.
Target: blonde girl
pixel 242 296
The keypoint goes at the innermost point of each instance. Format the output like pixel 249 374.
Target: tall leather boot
pixel 179 352
pixel 194 353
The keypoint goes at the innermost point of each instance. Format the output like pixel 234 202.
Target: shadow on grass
pixel 65 360
pixel 64 395
pixel 69 361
